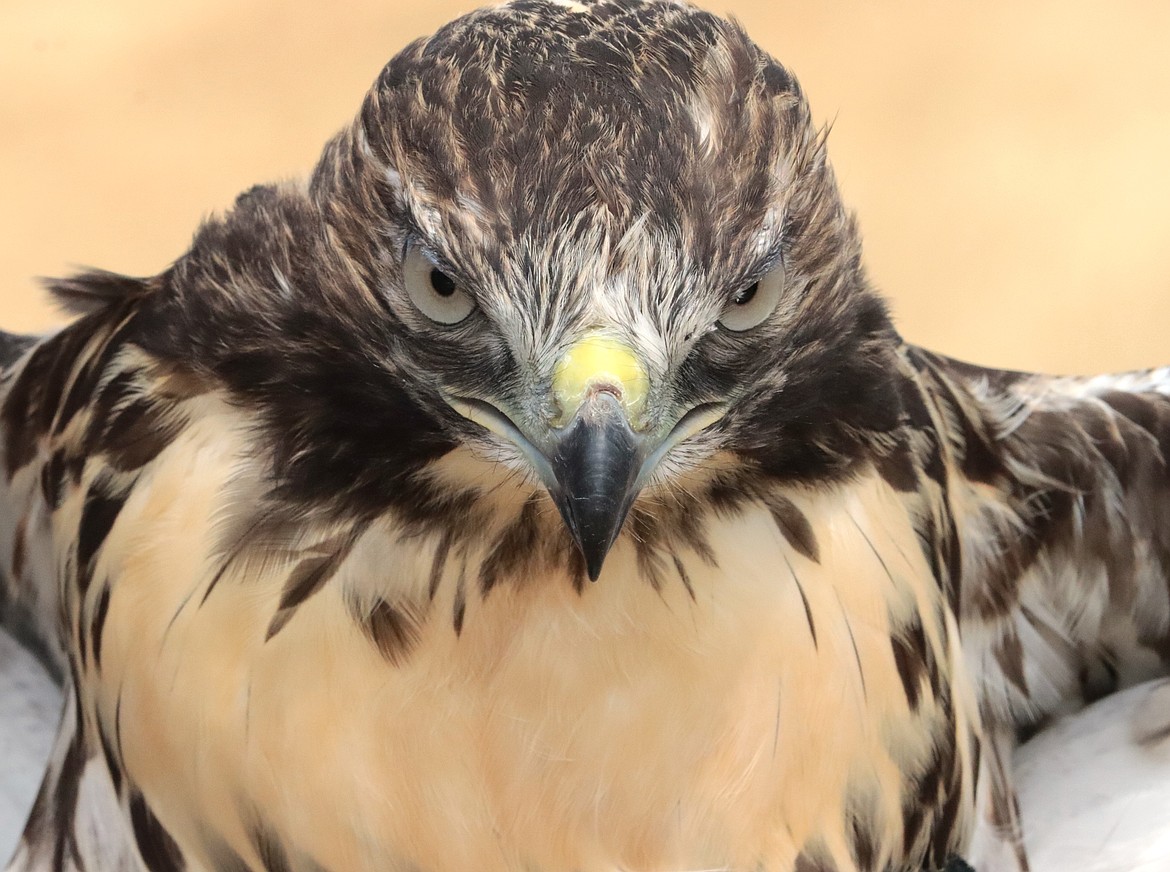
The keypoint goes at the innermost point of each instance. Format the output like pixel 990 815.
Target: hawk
pixel 543 486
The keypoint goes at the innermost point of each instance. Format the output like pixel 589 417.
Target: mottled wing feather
pixel 53 417
pixel 1063 508
pixel 27 611
pixel 1062 505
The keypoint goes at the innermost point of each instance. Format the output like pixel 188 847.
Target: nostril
pixel 603 387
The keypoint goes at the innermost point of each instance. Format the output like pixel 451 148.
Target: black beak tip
pixel 594 536
pixel 593 564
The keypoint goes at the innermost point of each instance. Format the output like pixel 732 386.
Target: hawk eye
pixel 742 298
pixel 750 306
pixel 433 292
pixel 442 283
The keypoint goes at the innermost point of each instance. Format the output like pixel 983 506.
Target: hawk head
pixel 596 242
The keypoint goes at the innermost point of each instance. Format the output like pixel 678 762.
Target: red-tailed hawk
pixel 543 486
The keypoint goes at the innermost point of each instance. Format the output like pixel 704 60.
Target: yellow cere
pixel 599 359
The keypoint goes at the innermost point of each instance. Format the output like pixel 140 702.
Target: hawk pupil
pixel 442 283
pixel 746 295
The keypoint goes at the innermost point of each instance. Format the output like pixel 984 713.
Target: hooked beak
pixel 596 465
pixel 598 454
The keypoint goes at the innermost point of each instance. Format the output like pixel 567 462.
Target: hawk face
pixel 597 242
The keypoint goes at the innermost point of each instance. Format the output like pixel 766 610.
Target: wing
pixel 28 611
pixel 1062 504
pixel 57 398
pixel 30 691
pixel 1063 507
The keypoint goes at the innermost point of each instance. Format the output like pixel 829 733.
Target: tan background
pixel 1010 161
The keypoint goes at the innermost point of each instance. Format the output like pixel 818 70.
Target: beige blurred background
pixel 1010 161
